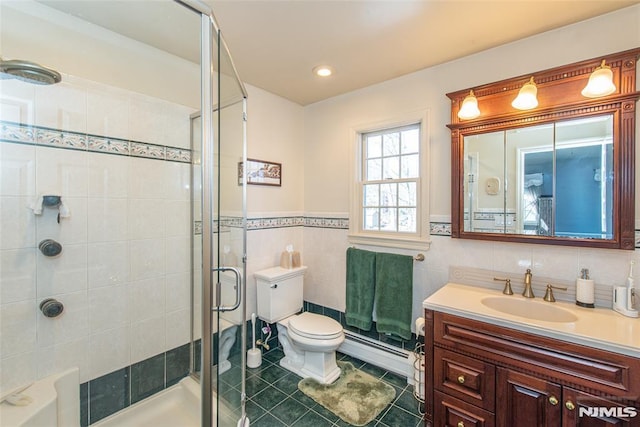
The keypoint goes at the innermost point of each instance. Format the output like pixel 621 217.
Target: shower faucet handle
pixel 507 285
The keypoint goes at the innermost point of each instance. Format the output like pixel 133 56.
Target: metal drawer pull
pixel 553 400
pixel 569 405
pixel 460 424
pixel 461 380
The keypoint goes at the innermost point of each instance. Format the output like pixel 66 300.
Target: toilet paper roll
pixel 420 326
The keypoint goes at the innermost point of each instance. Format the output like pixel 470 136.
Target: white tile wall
pixel 123 275
pixel 323 251
pixel 18 173
pixel 18 278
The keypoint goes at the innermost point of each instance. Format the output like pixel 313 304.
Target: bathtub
pixel 178 405
pixel 57 398
pixel 55 402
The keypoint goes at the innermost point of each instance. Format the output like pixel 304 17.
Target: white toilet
pixel 309 340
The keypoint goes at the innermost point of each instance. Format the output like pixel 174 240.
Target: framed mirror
pixel 562 172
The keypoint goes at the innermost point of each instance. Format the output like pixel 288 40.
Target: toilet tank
pixel 279 292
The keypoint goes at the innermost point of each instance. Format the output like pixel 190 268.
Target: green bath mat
pixel 356 397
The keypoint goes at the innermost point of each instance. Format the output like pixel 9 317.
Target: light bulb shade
pixel 527 97
pixel 469 108
pixel 600 82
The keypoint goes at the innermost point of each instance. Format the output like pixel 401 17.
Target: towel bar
pixel 419 257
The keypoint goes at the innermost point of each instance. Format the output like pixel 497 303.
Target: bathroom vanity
pixel 498 360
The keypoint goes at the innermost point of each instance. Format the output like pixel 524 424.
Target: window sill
pixel 391 241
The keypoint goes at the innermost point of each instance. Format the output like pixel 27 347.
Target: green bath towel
pixel 361 276
pixel 394 294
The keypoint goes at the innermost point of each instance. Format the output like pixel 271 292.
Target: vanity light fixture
pixel 469 108
pixel 600 82
pixel 323 71
pixel 527 97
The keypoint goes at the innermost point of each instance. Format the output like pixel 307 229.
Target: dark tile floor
pixel 275 401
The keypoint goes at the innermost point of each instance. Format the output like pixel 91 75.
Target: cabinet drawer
pixel 465 378
pixel 449 411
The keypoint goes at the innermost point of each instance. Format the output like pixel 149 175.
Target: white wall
pixel 34 32
pixel 123 274
pixel 328 147
pixel 313 145
pixel 275 133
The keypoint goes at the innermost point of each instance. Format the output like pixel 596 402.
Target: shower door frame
pixel 209 29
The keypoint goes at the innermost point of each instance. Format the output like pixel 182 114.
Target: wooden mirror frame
pixel 560 98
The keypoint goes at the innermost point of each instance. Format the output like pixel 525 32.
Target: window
pixel 389 196
pixel 391 169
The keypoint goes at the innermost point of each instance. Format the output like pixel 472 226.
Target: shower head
pixel 29 72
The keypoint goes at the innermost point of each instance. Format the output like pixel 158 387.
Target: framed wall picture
pixel 260 172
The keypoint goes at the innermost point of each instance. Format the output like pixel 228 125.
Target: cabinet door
pixel 526 401
pixel 585 410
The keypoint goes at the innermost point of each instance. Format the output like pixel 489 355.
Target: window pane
pixel 407 220
pixel 407 194
pixel 374 146
pixel 371 195
pixel 374 169
pixel 409 167
pixel 391 144
pixel 388 194
pixel 371 217
pixel 391 167
pixel 388 219
pixel 410 141
pixel 390 173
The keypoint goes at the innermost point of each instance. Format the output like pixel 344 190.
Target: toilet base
pixel 224 366
pixel 322 367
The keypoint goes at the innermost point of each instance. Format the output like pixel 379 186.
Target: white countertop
pixel 595 327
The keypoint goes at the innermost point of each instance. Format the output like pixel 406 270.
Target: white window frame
pixel 357 235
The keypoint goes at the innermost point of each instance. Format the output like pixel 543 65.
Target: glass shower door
pixel 219 311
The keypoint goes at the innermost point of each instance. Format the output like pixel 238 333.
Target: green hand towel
pixel 394 294
pixel 361 273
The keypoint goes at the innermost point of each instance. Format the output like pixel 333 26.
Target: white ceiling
pixel 276 43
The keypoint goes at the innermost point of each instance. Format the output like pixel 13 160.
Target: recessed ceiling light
pixel 323 71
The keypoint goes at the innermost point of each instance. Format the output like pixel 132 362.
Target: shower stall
pixel 133 117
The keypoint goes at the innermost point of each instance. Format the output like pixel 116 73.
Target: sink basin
pixel 528 309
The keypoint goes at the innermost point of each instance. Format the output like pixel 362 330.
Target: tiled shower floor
pixel 275 401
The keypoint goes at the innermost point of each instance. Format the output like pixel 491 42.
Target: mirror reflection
pixel 553 179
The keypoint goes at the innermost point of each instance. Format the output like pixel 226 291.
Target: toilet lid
pixel 312 325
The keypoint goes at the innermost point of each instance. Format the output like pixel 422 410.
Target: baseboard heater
pixel 377 353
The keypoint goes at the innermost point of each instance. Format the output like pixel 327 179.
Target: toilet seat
pixel 315 326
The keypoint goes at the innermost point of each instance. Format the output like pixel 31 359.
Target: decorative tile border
pixel 275 222
pixel 339 223
pixel 437 228
pixel 37 135
pixel 440 229
pixel 108 145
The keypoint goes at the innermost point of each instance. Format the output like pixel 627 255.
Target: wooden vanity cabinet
pixel 480 374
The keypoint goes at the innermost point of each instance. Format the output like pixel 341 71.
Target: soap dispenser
pixel 585 290
pixel 625 298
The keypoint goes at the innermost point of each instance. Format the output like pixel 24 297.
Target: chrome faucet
pixel 528 292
